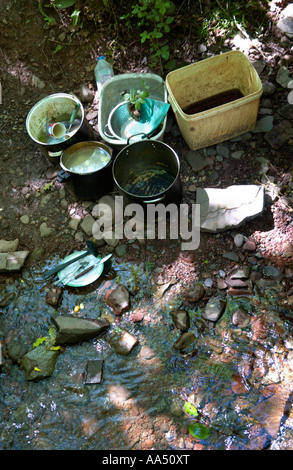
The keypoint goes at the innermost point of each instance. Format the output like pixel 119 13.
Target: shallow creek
pixel 140 402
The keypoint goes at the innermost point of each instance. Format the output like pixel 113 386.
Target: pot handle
pixel 145 136
pixel 155 200
pixel 63 176
pixel 134 135
pixel 110 136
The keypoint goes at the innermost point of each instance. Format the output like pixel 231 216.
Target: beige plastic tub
pixel 205 79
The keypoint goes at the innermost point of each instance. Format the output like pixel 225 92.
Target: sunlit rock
pixel 223 209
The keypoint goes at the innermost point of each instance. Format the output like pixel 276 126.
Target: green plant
pixel 51 21
pixel 48 340
pixel 155 16
pixel 149 266
pixel 135 99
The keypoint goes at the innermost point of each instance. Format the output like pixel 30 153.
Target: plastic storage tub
pixel 111 97
pixel 208 78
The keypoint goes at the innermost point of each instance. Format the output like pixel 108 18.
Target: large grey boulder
pixel 225 209
pixel 72 330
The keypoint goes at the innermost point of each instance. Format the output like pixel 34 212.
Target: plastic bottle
pixel 103 72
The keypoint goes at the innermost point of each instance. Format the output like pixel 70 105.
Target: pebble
pixel 121 250
pixel 87 224
pixel 196 161
pixel 231 255
pixel 238 240
pixel 240 318
pixel 249 245
pixel 46 231
pixel 213 309
pixel 74 222
pixel 264 124
pixel 24 219
pixel 268 88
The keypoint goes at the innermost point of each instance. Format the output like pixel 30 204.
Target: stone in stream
pixel 123 342
pixel 194 293
pixel 54 296
pixel 181 319
pixel 39 363
pixel 94 371
pixel 240 318
pixel 72 330
pixel 184 341
pixel 214 309
pixel 118 299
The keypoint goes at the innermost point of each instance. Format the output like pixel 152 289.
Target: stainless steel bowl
pixel 122 126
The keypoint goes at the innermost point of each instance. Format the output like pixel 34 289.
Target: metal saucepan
pixel 89 166
pixel 147 172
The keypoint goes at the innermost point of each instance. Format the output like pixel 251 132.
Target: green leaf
pixel 169 20
pixel 157 34
pixel 144 94
pixel 54 52
pixel 190 409
pixel 64 3
pixel 75 16
pixel 199 431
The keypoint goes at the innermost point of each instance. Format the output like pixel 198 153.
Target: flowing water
pixel 139 403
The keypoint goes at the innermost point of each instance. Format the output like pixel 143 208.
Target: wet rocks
pixel 6 296
pixel 181 319
pixel 54 296
pixel 122 342
pixel 194 293
pixel 184 341
pixel 118 299
pixel 94 371
pixel 39 363
pixel 72 330
pixel 259 327
pixel 240 318
pixel 10 258
pixel 214 309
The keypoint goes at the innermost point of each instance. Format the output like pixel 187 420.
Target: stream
pixel 140 402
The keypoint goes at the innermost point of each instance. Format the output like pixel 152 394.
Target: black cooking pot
pixel 88 184
pixel 148 171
